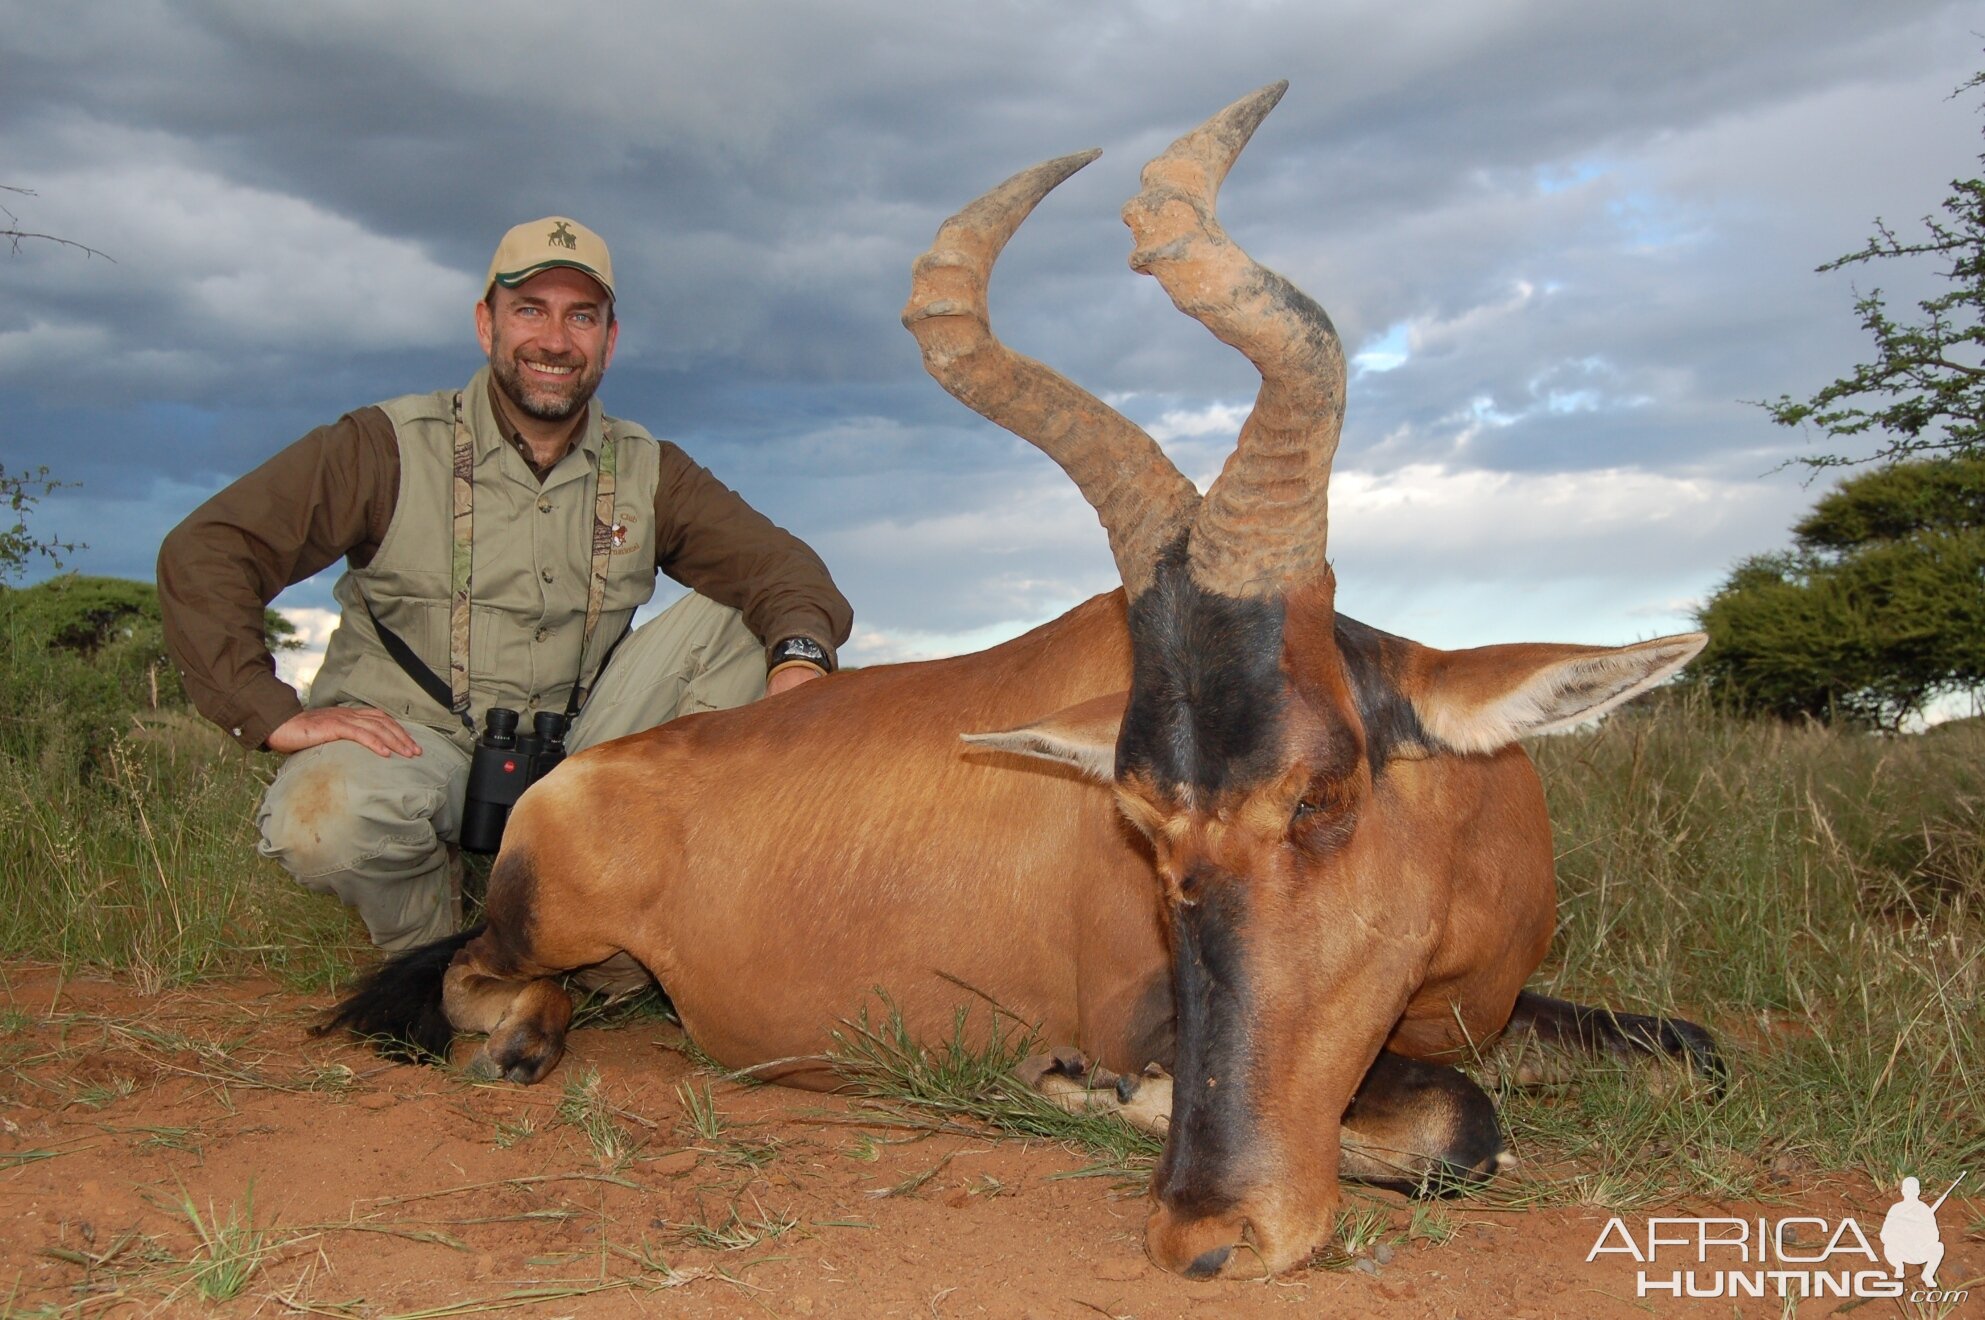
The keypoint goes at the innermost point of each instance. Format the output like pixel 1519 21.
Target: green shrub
pixel 84 656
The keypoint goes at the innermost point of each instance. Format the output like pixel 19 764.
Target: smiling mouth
pixel 547 369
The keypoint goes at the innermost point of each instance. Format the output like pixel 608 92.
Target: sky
pixel 1565 245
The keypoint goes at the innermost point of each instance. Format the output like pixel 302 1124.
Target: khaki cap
pixel 538 245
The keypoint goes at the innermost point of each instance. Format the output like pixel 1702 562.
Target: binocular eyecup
pixel 504 765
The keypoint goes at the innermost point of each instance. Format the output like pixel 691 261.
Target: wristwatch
pixel 800 648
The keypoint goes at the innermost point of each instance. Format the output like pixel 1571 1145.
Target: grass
pixel 227 1253
pixel 585 1107
pixel 969 1079
pixel 705 1128
pixel 1431 1223
pixel 700 1118
pixel 735 1230
pixel 508 1134
pixel 149 866
pixel 1817 900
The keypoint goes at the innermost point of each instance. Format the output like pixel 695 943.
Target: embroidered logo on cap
pixel 563 237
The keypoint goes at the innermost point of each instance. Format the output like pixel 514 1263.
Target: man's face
pixel 549 341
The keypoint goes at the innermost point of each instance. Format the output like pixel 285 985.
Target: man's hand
pixel 360 724
pixel 789 678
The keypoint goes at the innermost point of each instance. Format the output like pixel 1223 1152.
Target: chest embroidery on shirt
pixel 613 537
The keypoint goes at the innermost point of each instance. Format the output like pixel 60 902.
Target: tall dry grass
pixel 148 865
pixel 1817 899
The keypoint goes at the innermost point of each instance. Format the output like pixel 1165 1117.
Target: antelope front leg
pixel 1413 1127
pixel 1066 1077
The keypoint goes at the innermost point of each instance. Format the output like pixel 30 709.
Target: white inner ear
pixel 1095 758
pixel 1558 695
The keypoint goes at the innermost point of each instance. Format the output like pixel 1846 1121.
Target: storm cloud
pixel 1565 243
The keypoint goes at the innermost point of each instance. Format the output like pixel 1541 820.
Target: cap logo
pixel 562 236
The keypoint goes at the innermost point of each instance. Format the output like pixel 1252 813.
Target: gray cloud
pixel 1595 224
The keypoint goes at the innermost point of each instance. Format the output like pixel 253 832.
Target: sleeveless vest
pixel 532 556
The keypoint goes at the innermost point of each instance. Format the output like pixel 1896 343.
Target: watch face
pixel 801 648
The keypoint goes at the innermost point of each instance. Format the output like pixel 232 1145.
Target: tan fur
pixel 842 839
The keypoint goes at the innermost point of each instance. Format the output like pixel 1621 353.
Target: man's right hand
pixel 360 724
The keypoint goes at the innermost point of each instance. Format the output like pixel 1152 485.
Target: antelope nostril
pixel 1208 1264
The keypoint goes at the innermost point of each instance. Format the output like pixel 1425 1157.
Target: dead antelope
pixel 1298 862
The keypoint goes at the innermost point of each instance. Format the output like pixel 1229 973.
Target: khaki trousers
pixel 374 830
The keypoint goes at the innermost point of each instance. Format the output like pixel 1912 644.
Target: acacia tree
pixel 1925 390
pixel 1878 609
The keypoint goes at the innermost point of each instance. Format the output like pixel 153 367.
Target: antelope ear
pixel 1486 698
pixel 1083 735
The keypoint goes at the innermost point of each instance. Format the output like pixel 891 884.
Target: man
pixel 497 540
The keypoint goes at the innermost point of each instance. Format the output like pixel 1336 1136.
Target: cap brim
pixel 511 279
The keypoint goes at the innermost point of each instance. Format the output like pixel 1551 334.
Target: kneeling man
pixel 498 539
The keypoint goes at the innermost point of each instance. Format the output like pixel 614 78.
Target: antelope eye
pixel 1322 820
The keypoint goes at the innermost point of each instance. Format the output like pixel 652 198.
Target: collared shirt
pixel 332 495
pixel 506 421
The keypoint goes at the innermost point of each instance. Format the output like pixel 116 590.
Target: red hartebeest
pixel 1317 867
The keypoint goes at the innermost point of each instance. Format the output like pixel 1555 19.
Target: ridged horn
pixel 1141 498
pixel 1262 526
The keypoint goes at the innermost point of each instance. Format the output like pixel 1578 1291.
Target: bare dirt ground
pixel 381 1189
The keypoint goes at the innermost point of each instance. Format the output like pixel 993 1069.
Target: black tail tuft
pixel 397 1005
pixel 1623 1035
pixel 1684 1040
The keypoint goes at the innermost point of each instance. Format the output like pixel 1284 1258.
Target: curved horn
pixel 1142 500
pixel 1263 524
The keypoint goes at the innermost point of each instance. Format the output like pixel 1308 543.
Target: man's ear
pixel 1486 698
pixel 1083 735
pixel 485 326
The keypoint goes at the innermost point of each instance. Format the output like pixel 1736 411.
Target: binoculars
pixel 505 764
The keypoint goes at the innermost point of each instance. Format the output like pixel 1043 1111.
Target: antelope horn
pixel 1262 525
pixel 1143 501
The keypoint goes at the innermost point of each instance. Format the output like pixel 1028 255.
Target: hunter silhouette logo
pixel 1909 1232
pixel 1794 1257
pixel 562 236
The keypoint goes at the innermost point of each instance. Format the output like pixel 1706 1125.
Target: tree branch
pixel 15 235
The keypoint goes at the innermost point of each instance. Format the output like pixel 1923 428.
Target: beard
pixel 547 401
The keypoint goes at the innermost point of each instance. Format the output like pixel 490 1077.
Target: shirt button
pixel 542 634
pixel 546 575
pixel 544 505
